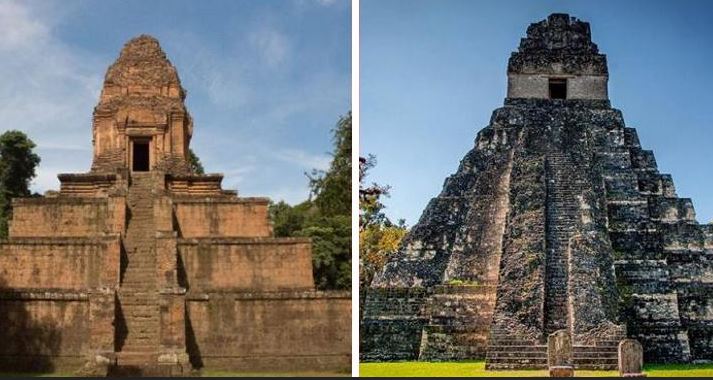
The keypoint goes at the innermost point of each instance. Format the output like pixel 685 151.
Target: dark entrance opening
pixel 558 88
pixel 141 156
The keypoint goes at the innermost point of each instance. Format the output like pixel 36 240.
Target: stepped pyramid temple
pixel 141 266
pixel 557 219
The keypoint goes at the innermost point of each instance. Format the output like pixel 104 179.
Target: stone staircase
pixel 562 218
pixel 138 340
pixel 506 351
pixel 602 356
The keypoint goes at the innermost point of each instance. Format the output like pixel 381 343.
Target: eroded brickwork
pixel 141 267
pixel 561 210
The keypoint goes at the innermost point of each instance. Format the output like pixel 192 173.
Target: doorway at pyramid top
pixel 558 60
pixel 140 155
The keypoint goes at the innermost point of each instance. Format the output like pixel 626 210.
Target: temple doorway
pixel 140 156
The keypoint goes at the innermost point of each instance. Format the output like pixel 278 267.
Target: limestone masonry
pixel 141 266
pixel 557 219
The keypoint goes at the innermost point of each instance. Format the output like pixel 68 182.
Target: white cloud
pixel 48 89
pixel 291 195
pixel 304 159
pixel 322 3
pixel 273 46
pixel 17 27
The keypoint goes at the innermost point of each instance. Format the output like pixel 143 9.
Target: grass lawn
pixel 477 369
pixel 275 374
pixel 202 373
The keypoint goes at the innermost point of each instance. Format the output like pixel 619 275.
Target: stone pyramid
pixel 556 219
pixel 143 267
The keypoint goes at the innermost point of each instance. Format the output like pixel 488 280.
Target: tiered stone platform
pixel 142 267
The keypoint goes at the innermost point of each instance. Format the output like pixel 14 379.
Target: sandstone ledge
pixel 278 295
pixel 44 294
pixel 244 240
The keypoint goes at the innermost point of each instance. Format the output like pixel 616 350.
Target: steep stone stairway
pixel 138 340
pixel 509 351
pixel 563 187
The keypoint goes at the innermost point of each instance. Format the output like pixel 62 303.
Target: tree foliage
pixel 17 168
pixel 370 206
pixel 326 216
pixel 378 236
pixel 194 162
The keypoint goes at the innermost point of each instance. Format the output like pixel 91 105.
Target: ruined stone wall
pixel 285 331
pixel 392 324
pixel 88 185
pixel 459 323
pixel 250 264
pixel 59 264
pixel 43 331
pixel 195 185
pixel 647 224
pixel 66 217
pixel 219 217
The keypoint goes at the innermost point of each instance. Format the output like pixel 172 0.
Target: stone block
pixel 562 371
pixel 631 358
pixel 559 349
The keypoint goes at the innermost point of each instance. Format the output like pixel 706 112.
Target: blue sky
pixel 432 72
pixel 267 80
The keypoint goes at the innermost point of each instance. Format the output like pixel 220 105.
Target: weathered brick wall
pixel 459 323
pixel 254 264
pixel 43 330
pixel 286 331
pixel 242 217
pixel 392 324
pixel 63 217
pixel 59 264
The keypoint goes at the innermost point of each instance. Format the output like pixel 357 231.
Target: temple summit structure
pixel 143 267
pixel 557 219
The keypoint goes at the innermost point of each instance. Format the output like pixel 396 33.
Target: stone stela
pixel 557 219
pixel 631 358
pixel 142 266
pixel 559 354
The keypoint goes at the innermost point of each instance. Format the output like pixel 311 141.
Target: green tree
pixel 370 206
pixel 378 236
pixel 326 216
pixel 333 189
pixel 194 162
pixel 17 168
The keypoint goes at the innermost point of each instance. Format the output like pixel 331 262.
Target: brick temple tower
pixel 557 219
pixel 142 266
